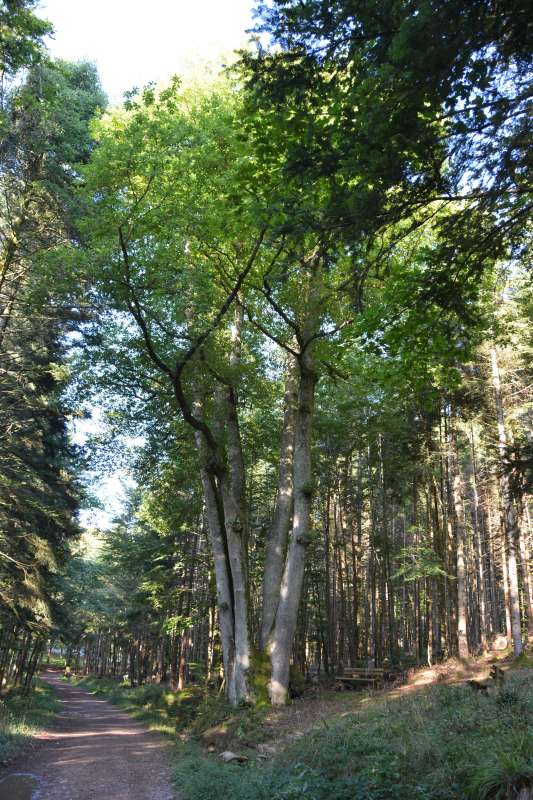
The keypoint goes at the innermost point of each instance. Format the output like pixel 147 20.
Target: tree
pixel 21 35
pixel 47 117
pixel 405 106
pixel 149 239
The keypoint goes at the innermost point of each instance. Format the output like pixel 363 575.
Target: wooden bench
pixel 371 676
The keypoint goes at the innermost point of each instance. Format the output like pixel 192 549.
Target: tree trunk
pixel 526 572
pixel 460 538
pixel 226 510
pixel 509 518
pixel 281 520
pixel 291 584
pixel 480 567
pixel 217 537
pixel 233 491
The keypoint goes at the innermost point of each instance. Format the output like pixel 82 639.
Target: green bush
pixel 296 682
pixel 53 661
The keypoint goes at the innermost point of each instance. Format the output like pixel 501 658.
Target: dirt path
pixel 93 752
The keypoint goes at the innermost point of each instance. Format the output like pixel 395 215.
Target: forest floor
pixel 92 751
pixel 319 707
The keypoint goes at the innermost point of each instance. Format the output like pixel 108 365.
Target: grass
pixel 524 661
pixel 56 662
pixel 442 743
pixel 22 717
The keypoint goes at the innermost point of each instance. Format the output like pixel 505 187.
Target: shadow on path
pixel 93 752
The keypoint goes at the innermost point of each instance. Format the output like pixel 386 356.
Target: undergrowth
pixel 53 661
pixel 191 710
pixel 443 743
pixel 160 709
pixel 23 716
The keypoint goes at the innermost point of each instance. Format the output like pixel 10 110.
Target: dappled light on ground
pixel 95 748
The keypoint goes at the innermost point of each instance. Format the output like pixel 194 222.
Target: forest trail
pixel 93 752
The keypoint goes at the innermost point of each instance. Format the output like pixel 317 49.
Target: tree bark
pixel 233 491
pixel 480 567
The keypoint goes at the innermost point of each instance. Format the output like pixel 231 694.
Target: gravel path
pixel 93 752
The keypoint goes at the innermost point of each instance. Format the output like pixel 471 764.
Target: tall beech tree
pixel 225 269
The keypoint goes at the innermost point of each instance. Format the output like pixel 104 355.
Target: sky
pixel 134 42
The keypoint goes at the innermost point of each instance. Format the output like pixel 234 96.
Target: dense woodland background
pixel 299 294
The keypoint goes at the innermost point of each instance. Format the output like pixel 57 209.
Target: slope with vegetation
pixel 442 744
pixel 23 717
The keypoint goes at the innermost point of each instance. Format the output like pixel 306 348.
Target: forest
pixel 290 300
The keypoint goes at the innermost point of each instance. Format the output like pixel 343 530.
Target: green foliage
pixel 37 487
pixel 23 716
pixel 132 581
pixel 216 721
pixel 21 34
pixel 418 562
pixel 54 661
pixel 508 775
pixel 47 116
pixel 296 681
pixel 259 676
pixel 384 94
